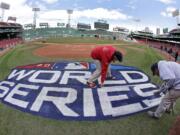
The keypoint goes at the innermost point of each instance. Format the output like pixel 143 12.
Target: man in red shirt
pixel 103 56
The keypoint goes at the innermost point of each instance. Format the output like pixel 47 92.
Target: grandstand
pixel 41 33
pixel 173 35
pixel 10 34
pixel 121 33
pixel 38 33
pixel 82 30
pixel 141 34
pixel 169 43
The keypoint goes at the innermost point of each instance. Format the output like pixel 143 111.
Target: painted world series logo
pixel 59 91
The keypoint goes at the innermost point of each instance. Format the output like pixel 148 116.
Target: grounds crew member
pixel 169 72
pixel 103 56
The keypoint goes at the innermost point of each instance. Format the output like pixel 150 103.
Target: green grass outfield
pixel 15 122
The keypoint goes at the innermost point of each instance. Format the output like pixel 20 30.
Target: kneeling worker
pixel 103 56
pixel 169 72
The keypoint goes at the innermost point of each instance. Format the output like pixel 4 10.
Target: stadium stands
pixel 169 43
pixel 8 43
pixel 32 34
pixel 168 47
pixel 10 34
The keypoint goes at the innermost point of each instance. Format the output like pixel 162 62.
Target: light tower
pixel 69 11
pixel 176 14
pixel 4 6
pixel 35 10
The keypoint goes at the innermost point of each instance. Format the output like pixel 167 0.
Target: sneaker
pixel 152 115
pixel 91 84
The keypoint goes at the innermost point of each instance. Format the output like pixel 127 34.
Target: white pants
pixel 167 102
pixel 97 72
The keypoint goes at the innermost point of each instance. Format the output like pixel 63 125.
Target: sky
pixel 122 13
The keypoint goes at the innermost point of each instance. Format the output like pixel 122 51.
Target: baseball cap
pixel 154 67
pixel 118 55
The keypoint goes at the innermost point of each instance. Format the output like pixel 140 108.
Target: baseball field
pixel 15 122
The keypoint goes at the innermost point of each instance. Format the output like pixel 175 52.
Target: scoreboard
pixel 101 25
pixel 43 24
pixel 83 26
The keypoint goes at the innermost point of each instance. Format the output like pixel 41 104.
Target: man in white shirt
pixel 169 72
